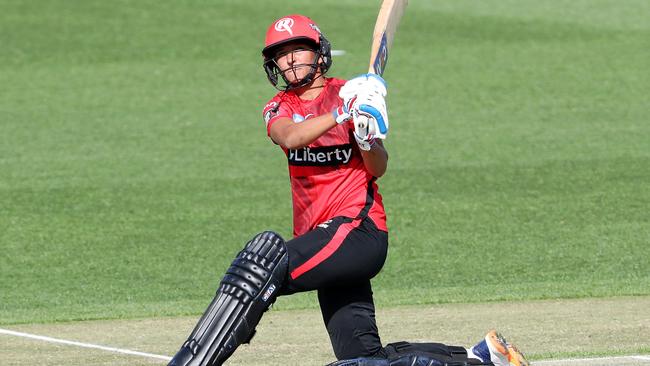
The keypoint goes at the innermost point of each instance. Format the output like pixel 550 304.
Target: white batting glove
pixel 364 84
pixel 370 91
pixel 370 116
pixel 348 93
pixel 365 141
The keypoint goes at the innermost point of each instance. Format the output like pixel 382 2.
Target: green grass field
pixel 134 162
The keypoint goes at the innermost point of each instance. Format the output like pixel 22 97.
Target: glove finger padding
pixel 370 116
pixel 364 84
pixel 369 109
pixel 350 88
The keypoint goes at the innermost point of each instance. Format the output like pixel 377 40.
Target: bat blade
pixel 382 38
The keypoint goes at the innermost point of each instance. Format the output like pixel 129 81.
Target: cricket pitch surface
pixel 582 332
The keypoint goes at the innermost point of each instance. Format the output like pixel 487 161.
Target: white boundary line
pixel 85 345
pixel 611 358
pixel 167 358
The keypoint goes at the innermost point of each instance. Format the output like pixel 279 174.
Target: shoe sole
pixel 514 356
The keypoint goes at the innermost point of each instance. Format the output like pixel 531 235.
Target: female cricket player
pixel 327 128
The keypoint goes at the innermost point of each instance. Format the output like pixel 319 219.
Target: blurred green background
pixel 134 161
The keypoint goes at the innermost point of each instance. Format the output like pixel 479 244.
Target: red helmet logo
pixel 291 28
pixel 284 25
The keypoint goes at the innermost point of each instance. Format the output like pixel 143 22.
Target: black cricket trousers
pixel 338 258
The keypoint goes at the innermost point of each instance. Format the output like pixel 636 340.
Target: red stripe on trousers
pixel 327 251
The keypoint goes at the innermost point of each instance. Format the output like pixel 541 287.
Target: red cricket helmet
pixel 291 28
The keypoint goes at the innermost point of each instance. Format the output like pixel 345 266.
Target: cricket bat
pixel 382 37
pixel 389 16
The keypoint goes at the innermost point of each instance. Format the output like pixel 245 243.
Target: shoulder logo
pixel 284 25
pixel 270 111
pixel 271 105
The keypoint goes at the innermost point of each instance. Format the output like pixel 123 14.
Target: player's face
pixel 295 61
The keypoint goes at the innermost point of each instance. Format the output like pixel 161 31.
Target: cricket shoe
pixel 495 348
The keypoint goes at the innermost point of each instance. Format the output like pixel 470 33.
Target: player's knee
pixel 261 266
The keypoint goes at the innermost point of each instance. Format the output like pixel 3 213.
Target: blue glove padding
pixel 382 124
pixel 369 108
pixel 370 116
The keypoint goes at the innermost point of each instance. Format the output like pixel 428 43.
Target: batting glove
pixel 364 84
pixel 365 142
pixel 370 91
pixel 370 116
pixel 343 113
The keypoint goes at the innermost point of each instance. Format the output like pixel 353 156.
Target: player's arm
pixel 370 120
pixel 291 135
pixel 376 159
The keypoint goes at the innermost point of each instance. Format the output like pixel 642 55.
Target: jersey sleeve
pixel 275 109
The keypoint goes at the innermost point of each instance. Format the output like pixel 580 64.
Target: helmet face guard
pixel 295 28
pixel 322 61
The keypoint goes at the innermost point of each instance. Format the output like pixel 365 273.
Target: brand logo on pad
pixel 268 293
pixel 284 25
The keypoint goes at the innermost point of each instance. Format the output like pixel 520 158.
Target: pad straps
pixel 247 290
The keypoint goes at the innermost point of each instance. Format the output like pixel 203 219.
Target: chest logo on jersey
pixel 320 156
pixel 299 118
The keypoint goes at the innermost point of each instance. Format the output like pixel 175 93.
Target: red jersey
pixel 328 177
